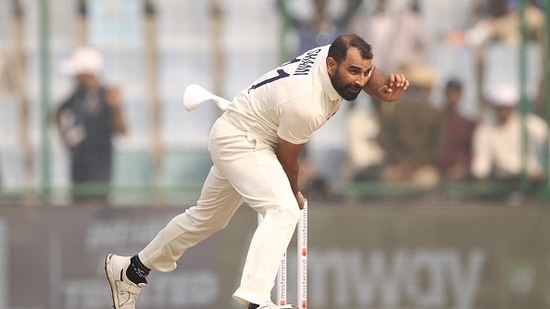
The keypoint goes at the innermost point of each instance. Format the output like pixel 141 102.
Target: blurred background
pixel 438 200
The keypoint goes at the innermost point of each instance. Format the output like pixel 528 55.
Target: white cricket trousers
pixel 244 170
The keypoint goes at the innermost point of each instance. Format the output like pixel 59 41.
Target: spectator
pixel 457 156
pixel 498 145
pixel 410 43
pixel 321 27
pixel 315 186
pixel 364 155
pixel 503 24
pixel 412 135
pixel 87 122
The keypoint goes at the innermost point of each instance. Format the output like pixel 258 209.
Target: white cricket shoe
pixel 124 291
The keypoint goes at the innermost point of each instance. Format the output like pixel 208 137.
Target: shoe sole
pixel 110 278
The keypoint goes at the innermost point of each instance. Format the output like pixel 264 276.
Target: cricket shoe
pixel 124 291
pixel 271 306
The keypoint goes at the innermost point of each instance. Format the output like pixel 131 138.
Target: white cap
pixel 503 95
pixel 84 60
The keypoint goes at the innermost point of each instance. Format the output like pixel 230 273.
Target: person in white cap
pixel 412 134
pixel 497 146
pixel 87 120
pixel 255 147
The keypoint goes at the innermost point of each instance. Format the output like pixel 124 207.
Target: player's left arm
pixel 387 89
pixel 288 155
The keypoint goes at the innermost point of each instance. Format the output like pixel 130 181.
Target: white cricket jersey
pixel 291 101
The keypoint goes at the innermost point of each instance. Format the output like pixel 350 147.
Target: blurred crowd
pixel 425 140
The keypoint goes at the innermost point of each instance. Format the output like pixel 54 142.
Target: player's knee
pixel 291 214
pixel 207 223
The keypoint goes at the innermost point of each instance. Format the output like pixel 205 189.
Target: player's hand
pixel 300 199
pixel 395 84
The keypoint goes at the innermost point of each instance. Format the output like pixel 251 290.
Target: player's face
pixel 351 75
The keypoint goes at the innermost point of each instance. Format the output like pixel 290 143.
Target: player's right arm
pixel 288 155
pixel 387 89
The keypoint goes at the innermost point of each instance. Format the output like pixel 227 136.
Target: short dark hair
pixel 339 48
pixel 453 83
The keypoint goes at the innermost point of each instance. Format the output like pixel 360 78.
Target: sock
pixel 137 272
pixel 253 306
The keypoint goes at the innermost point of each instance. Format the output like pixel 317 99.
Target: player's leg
pixel 217 204
pixel 273 198
pixel 260 179
pixel 215 208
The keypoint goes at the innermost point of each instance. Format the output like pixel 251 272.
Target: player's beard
pixel 348 91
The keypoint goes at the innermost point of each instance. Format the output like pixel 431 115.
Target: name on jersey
pixel 307 62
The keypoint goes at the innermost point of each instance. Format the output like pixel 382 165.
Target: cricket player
pixel 254 147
